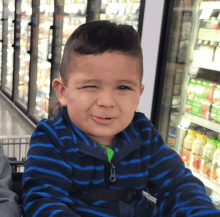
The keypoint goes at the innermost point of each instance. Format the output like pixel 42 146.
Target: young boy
pixel 98 154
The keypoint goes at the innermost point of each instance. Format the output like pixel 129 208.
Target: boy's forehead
pixel 108 68
pixel 114 62
pixel 106 57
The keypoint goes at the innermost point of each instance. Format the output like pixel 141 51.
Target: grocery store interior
pixel 181 50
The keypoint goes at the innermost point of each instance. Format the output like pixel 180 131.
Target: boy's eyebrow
pixel 99 81
pixel 128 81
pixel 88 81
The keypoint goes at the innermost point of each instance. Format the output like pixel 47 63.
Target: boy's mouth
pixel 102 120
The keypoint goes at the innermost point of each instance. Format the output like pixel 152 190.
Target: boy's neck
pixel 105 142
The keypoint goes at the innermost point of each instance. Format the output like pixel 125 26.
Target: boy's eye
pixel 124 88
pixel 89 87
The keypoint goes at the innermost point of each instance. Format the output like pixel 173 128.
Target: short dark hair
pixel 95 38
pixel 98 37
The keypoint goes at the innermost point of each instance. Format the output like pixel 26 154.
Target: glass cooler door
pixel 44 56
pixel 10 50
pixel 187 111
pixel 1 8
pixel 74 16
pixel 121 11
pixel 26 12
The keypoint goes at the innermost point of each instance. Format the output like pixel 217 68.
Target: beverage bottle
pixel 215 170
pixel 187 146
pixel 207 157
pixel 197 151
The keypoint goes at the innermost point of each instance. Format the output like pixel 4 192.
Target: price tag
pixel 184 124
pixel 215 198
pixel 193 70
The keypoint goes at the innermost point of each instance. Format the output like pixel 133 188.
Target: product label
pixel 213 113
pixel 191 89
pixel 188 143
pixel 206 169
pixel 215 173
pixel 189 103
pixel 217 114
pixel 185 156
pixel 204 90
pixel 197 148
pixel 196 162
pixel 216 95
pixel 207 160
pixel 201 109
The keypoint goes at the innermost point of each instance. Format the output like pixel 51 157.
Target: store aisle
pixel 11 121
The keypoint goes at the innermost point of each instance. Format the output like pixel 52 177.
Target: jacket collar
pixel 128 140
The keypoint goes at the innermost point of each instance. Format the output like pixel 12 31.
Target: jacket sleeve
pixel 178 192
pixel 47 178
pixel 8 204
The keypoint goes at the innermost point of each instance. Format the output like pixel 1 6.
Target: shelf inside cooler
pixel 208 65
pixel 209 5
pixel 208 183
pixel 202 122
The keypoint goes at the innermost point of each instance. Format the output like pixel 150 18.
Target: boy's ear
pixel 60 90
pixel 140 93
pixel 141 89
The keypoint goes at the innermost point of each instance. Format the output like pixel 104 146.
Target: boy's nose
pixel 106 99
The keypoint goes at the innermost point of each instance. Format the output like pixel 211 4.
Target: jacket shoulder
pixel 141 120
pixel 57 120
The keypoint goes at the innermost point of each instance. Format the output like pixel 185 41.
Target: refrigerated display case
pixel 1 16
pixel 200 98
pixel 74 16
pixel 44 55
pixel 10 49
pixel 26 12
pixel 121 11
pixel 187 113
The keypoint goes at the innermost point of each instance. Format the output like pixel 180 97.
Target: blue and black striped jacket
pixel 62 160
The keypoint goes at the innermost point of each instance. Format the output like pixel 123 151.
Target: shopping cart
pixel 16 148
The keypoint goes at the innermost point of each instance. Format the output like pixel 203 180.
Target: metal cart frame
pixel 16 148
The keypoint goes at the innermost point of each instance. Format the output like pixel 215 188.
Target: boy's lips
pixel 103 120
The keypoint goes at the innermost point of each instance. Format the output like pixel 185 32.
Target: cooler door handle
pixel 29 36
pixel 49 49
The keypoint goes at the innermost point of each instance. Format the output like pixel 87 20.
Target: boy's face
pixel 101 86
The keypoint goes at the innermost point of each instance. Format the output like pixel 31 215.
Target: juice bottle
pixel 187 146
pixel 197 151
pixel 207 157
pixel 215 171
